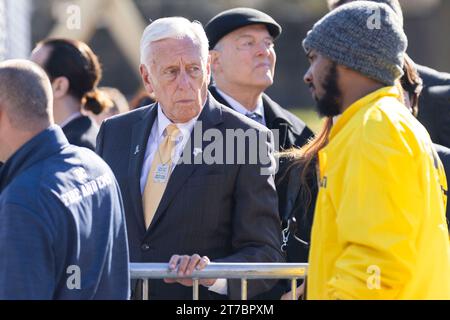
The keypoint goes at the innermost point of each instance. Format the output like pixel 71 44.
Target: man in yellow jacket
pixel 379 229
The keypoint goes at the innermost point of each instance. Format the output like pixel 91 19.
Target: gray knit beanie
pixel 364 36
pixel 394 4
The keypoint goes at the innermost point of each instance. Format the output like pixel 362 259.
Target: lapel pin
pixel 136 151
pixel 197 151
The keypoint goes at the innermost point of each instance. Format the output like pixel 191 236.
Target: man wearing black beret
pixel 241 41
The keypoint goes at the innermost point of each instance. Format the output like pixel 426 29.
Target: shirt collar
pixel 259 110
pixel 163 122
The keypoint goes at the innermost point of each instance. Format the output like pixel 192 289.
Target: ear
pixel 4 118
pixel 1 112
pixel 60 87
pixel 4 134
pixel 146 78
pixel 208 70
pixel 214 57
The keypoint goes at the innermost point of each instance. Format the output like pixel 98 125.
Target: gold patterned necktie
pixel 159 174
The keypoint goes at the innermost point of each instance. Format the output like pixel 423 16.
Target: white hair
pixel 174 28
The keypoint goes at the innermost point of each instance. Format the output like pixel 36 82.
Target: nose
pixel 307 78
pixel 263 48
pixel 183 80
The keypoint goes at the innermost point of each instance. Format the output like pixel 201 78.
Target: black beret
pixel 230 20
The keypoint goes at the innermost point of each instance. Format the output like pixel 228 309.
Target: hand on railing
pixel 299 292
pixel 185 266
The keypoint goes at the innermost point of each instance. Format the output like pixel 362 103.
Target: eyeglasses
pixel 248 43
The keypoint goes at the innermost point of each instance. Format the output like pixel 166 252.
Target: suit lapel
pixel 139 138
pixel 272 113
pixel 218 97
pixel 210 117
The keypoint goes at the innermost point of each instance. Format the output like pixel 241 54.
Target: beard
pixel 329 104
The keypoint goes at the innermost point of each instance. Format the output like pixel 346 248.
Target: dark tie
pixel 256 117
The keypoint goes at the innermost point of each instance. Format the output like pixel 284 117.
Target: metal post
pixel 195 289
pixel 244 289
pixel 294 288
pixel 144 289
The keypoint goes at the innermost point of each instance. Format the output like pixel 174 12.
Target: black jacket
pixel 293 132
pixel 297 201
pixel 82 132
pixel 433 77
pixel 434 104
pixel 434 113
pixel 444 155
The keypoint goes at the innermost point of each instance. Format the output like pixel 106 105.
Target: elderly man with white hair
pixel 181 207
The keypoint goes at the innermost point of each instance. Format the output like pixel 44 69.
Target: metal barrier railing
pixel 243 271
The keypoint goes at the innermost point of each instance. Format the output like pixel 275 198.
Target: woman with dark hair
pixel 74 71
pixel 116 104
pixel 298 187
pixel 412 86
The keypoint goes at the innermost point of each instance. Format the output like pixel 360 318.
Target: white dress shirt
pixel 259 110
pixel 157 134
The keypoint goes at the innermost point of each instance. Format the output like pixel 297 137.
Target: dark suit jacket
pixel 434 104
pixel 82 132
pixel 434 113
pixel 293 132
pixel 433 77
pixel 226 212
pixel 444 155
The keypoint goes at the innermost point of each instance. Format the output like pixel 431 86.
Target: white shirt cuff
pixel 220 287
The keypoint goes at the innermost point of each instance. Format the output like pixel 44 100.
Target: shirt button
pixel 145 247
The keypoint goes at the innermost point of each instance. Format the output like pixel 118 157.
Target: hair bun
pixel 96 101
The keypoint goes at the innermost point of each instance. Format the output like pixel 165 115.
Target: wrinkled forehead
pixel 169 51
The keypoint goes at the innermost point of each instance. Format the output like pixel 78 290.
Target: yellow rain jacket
pixel 379 228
